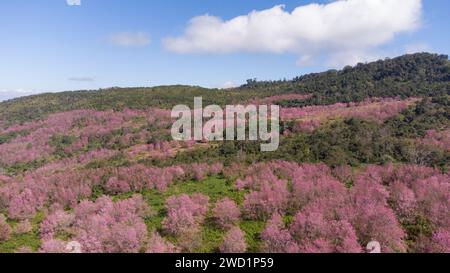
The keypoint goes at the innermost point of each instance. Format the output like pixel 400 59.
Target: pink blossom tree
pixel 53 246
pixel 157 244
pixel 372 218
pixel 23 206
pixel 5 229
pixel 103 226
pixel 276 238
pixel 271 198
pixel 185 213
pixel 226 213
pixel 57 223
pixel 234 241
pixel 315 234
pixel 440 242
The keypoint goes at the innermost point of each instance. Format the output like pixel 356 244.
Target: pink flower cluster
pixel 307 207
pixel 102 226
pixel 375 109
pixel 139 177
pixel 81 125
pixel 329 217
pixel 234 241
pixel 5 229
pixel 66 183
pixel 436 138
pixel 226 213
pixel 185 213
pixel 160 150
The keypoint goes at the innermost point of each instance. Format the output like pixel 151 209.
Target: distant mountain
pixel 422 74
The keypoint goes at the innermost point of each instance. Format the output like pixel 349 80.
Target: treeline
pixel 39 106
pixel 406 76
pixel 417 75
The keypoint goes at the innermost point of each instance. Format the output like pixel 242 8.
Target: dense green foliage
pixel 406 76
pixel 346 141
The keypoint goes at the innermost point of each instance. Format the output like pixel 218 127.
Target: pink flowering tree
pixel 157 244
pixel 315 234
pixel 372 218
pixel 234 241
pixel 53 246
pixel 276 238
pixel 440 242
pixel 185 213
pixel 23 206
pixel 271 198
pixel 5 229
pixel 103 226
pixel 226 213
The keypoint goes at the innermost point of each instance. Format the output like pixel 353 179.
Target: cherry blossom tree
pixel 5 229
pixel 234 241
pixel 372 218
pixel 315 234
pixel 272 197
pixel 276 238
pixel 23 206
pixel 185 213
pixel 157 244
pixel 53 246
pixel 226 213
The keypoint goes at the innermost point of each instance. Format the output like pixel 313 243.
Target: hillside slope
pixel 364 155
pixel 406 76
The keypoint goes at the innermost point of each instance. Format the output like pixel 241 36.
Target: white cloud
pixel 7 94
pixel 228 85
pixel 305 60
pixel 73 2
pixel 350 28
pixel 130 39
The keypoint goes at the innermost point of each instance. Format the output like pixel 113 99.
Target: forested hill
pixel 420 74
pixel 415 75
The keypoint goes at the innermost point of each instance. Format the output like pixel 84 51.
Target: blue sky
pixel 48 45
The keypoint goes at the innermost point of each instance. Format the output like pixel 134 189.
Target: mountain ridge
pixel 421 74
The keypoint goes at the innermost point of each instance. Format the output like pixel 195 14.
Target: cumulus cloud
pixel 340 29
pixel 228 85
pixel 81 79
pixel 73 2
pixel 130 39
